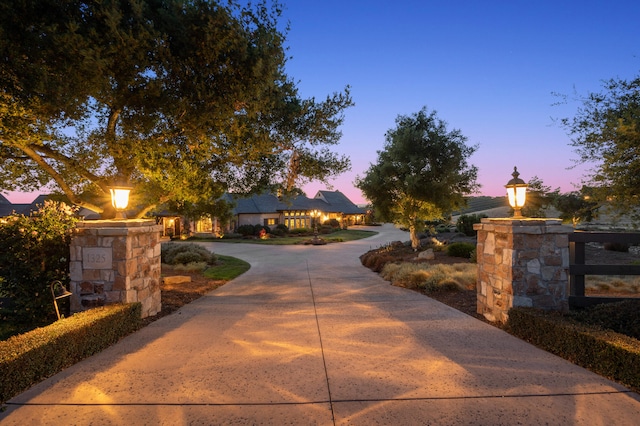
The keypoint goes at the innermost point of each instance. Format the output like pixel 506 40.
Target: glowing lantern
pixel 517 193
pixel 120 200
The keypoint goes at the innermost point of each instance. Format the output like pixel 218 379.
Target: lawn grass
pixel 228 269
pixel 339 236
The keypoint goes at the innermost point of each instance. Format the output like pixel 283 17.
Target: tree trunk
pixel 415 241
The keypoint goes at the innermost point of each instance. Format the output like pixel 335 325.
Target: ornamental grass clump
pixel 431 278
pixel 185 254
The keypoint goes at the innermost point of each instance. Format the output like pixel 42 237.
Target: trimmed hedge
pixel 602 351
pixel 29 358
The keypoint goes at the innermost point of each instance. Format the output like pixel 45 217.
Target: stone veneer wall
pixel 522 262
pixel 116 261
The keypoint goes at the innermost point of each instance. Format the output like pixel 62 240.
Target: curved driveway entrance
pixel 310 336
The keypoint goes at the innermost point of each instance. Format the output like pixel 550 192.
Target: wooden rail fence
pixel 578 267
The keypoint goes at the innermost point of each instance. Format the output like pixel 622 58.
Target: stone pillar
pixel 116 261
pixel 522 262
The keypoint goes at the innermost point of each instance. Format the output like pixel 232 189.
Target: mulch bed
pixel 174 296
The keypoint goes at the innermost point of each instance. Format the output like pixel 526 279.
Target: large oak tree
pixel 422 174
pixel 606 132
pixel 184 99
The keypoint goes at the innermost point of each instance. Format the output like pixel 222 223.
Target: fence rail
pixel 578 267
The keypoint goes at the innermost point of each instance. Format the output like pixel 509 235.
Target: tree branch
pixel 73 163
pixel 59 180
pixel 150 207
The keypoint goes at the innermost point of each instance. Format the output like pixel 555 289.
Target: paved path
pixel 309 336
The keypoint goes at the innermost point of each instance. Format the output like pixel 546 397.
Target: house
pixel 7 208
pixel 264 209
pixel 271 210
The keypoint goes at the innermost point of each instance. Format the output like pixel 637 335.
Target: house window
pixel 271 221
pixel 205 224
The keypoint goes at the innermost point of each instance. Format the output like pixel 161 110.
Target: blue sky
pixel 489 68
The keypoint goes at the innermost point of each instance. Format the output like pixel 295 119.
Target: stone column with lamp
pixel 116 261
pixel 521 261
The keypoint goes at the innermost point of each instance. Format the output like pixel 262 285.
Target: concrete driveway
pixel 309 336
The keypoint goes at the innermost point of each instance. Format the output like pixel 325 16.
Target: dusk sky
pixel 489 68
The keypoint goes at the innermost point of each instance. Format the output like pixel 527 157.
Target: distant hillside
pixel 482 203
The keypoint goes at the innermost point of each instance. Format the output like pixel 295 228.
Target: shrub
pixel 605 352
pixel 333 223
pixel 191 267
pixel 300 231
pixel 246 230
pixel 184 253
pixel 31 357
pixel 465 223
pixel 34 251
pixel 257 230
pixel 621 247
pixel 231 236
pixel 376 260
pixel 326 229
pixel 187 257
pixel 440 228
pixel 463 250
pixel 621 317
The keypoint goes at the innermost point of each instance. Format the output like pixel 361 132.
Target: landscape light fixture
pixel 315 214
pixel 517 193
pixel 120 199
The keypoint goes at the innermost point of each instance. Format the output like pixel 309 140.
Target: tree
pixel 538 198
pixel 576 206
pixel 422 173
pixel 606 131
pixel 182 98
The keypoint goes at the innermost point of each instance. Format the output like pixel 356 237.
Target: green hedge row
pixel 29 358
pixel 602 351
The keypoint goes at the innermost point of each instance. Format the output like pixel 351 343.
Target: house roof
pixel 7 208
pixel 338 201
pixel 326 201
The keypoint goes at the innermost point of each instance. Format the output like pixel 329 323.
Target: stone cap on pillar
pixel 525 225
pixel 117 227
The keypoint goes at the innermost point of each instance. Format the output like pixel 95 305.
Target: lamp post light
pixel 315 214
pixel 120 199
pixel 517 193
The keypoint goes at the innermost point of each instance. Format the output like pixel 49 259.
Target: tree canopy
pixel 538 198
pixel 576 206
pixel 421 174
pixel 183 99
pixel 606 132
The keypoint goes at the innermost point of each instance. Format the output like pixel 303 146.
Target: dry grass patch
pixel 613 284
pixel 431 278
